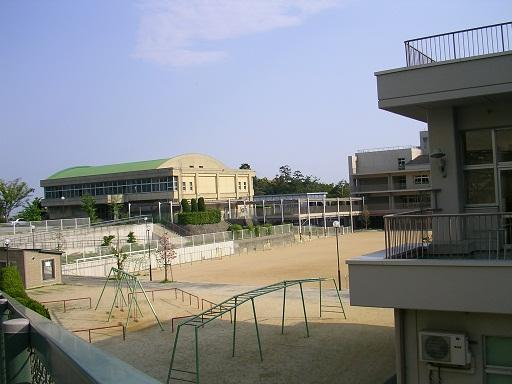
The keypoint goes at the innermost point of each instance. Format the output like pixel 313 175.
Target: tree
pixel 13 194
pixel 365 217
pixel 107 240
pixel 166 254
pixel 341 189
pixel 32 211
pixel 116 206
pixel 185 206
pixel 201 206
pixel 245 166
pixel 89 207
pixel 131 238
pixel 119 255
pixel 194 206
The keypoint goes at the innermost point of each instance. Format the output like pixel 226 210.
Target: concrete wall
pixel 383 161
pixel 475 325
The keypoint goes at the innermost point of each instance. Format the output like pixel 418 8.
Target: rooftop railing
pixel 50 354
pixel 449 236
pixel 462 44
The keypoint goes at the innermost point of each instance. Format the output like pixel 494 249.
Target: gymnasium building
pixel 146 187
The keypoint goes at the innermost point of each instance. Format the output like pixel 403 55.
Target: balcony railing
pixel 53 355
pixel 460 44
pixel 466 236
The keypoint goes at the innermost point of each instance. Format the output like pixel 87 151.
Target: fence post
pixel 61 225
pixel 17 356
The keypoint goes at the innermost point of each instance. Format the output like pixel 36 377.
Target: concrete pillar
pixel 17 357
pixel 300 223
pixel 351 216
pixel 282 212
pixel 263 206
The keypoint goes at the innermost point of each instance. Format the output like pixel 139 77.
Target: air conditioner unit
pixel 446 348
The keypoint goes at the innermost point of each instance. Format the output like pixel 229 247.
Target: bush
pixel 131 238
pixel 267 229
pixel 197 218
pixel 107 240
pixel 185 206
pixel 257 230
pixel 235 227
pixel 11 284
pixel 201 206
pixel 193 204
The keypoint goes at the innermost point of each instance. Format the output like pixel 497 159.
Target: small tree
pixel 185 206
pixel 131 238
pixel 32 211
pixel 365 217
pixel 201 206
pixel 107 240
pixel 12 195
pixel 194 207
pixel 166 254
pixel 118 254
pixel 89 207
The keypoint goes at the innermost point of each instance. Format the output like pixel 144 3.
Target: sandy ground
pixel 357 350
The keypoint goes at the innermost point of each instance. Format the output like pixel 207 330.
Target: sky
pixel 264 82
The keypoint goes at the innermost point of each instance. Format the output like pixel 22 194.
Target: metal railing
pixel 57 356
pixel 462 44
pixel 456 236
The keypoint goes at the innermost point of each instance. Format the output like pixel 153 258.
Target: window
pixel 498 359
pixel 191 186
pixel 477 147
pixel 245 185
pixel 201 166
pixel 239 185
pixel 184 186
pixel 401 163
pixel 191 166
pixel 48 269
pixel 504 144
pixel 479 186
pixel 421 180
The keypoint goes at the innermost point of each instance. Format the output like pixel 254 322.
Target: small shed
pixel 37 267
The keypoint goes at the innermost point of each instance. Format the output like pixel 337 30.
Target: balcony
pixel 463 44
pixel 449 236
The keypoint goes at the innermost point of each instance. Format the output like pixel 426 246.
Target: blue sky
pixel 264 82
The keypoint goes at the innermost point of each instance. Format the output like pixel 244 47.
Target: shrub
pixel 268 229
pixel 107 240
pixel 197 218
pixel 235 227
pixel 257 230
pixel 201 206
pixel 193 204
pixel 185 206
pixel 11 284
pixel 131 238
pixel 250 228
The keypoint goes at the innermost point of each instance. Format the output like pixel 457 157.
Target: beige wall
pixel 29 264
pixel 475 325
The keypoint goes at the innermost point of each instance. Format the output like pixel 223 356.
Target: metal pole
pixel 351 216
pixel 160 211
pixel 325 222
pixel 149 254
pixel 172 213
pixel 300 225
pixel 304 308
pixel 338 254
pixel 17 356
pixel 263 207
pixel 257 330
pixel 284 304
pixel 282 212
pixel 4 315
pixel 197 354
pixel 234 328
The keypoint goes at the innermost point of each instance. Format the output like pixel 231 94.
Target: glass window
pixel 479 186
pixel 48 269
pixel 245 186
pixel 478 147
pixel 498 360
pixel 191 186
pixel 421 179
pixel 184 186
pixel 401 163
pixel 504 144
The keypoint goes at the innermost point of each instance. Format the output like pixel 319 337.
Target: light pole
pixel 32 227
pixel 6 243
pixel 149 249
pixel 336 225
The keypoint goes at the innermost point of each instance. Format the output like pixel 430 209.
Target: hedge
pixel 197 218
pixel 11 284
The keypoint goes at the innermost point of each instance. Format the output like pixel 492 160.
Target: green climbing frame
pixel 131 284
pixel 230 305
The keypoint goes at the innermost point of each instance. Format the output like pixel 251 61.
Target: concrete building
pixel 392 179
pixel 37 267
pixel 448 274
pixel 145 187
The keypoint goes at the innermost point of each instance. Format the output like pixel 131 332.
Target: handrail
pixel 105 327
pixel 65 300
pixel 66 358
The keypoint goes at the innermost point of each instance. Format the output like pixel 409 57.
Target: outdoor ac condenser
pixel 445 348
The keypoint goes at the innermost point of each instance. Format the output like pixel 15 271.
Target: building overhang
pixel 431 284
pixel 412 91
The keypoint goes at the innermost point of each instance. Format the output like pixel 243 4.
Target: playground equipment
pixel 230 305
pixel 123 280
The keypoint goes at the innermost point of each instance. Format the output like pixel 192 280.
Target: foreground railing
pixel 36 350
pixel 460 44
pixel 469 236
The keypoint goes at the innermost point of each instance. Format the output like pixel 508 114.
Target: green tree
pixel 32 211
pixel 185 206
pixel 365 217
pixel 341 189
pixel 245 166
pixel 89 207
pixel 13 194
pixel 107 240
pixel 201 206
pixel 131 238
pixel 194 206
